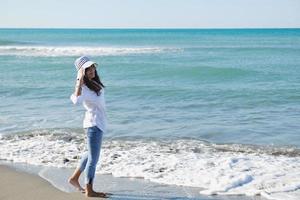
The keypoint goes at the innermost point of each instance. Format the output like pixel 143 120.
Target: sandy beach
pixel 29 186
pixel 17 185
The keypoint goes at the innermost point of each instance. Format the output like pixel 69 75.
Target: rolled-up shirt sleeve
pixel 76 99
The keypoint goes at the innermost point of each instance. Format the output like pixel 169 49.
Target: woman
pixel 89 91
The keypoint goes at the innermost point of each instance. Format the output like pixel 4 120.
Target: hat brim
pixel 88 64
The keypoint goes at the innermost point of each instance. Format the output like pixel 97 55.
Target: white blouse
pixel 95 114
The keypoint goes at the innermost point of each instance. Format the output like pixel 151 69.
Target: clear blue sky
pixel 150 13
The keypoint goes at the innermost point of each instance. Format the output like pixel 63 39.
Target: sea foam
pixel 227 169
pixel 54 51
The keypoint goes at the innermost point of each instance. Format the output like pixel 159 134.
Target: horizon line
pixel 200 28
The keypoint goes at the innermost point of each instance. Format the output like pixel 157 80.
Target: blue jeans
pixel 90 159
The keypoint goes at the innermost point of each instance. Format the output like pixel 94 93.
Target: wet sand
pixel 16 185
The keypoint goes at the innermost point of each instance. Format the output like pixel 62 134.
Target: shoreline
pixel 30 184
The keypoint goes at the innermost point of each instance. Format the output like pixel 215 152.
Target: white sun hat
pixel 83 62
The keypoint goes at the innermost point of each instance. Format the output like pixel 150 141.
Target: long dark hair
pixel 95 84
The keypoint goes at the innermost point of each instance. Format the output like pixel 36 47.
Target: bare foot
pixel 76 184
pixel 96 194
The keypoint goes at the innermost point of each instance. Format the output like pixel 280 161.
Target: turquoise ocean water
pixel 223 86
pixel 234 87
